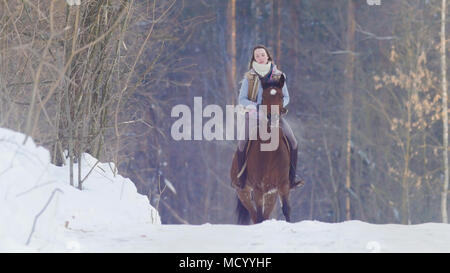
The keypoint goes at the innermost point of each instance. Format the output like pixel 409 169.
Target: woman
pixel 262 69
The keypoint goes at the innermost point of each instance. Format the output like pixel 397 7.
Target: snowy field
pixel 41 212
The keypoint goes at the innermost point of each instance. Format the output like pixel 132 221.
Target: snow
pixel 108 215
pixel 28 180
pixel 73 2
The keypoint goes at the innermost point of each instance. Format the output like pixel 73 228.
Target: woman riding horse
pixel 262 71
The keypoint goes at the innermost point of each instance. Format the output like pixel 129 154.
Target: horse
pixel 267 171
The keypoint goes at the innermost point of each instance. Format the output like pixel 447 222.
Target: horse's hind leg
pixel 286 208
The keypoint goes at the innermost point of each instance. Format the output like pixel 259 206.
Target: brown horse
pixel 267 171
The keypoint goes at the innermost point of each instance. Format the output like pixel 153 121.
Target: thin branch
pixel 42 211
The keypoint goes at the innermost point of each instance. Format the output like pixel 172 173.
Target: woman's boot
pixel 294 180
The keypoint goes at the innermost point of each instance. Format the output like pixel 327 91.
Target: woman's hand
pixel 250 107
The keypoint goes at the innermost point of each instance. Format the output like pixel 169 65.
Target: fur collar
pixel 275 70
pixel 262 69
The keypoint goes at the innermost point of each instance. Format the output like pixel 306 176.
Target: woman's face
pixel 260 56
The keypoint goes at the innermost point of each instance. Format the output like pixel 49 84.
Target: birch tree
pixel 444 112
pixel 349 85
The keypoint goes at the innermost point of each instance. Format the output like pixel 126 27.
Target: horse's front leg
pixel 270 200
pixel 286 208
pixel 245 196
pixel 259 202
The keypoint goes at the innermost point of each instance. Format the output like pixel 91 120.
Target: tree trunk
pixel 445 113
pixel 258 21
pixel 231 16
pixel 278 38
pixel 405 177
pixel 349 89
pixel 67 111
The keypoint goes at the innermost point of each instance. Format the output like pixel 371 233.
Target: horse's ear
pixel 281 81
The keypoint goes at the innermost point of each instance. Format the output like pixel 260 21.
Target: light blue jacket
pixel 243 94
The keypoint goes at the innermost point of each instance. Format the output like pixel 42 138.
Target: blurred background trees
pixel 364 80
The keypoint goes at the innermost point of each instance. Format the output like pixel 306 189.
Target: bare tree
pixel 69 70
pixel 444 112
pixel 349 85
pixel 231 18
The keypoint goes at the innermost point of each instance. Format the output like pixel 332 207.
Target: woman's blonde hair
pixel 253 55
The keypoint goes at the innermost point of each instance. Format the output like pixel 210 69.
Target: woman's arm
pixel 285 95
pixel 243 94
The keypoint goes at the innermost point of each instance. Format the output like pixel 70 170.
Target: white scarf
pixel 261 69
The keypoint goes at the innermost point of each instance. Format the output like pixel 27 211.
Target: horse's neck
pixel 269 130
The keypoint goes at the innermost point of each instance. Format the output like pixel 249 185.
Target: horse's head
pixel 273 94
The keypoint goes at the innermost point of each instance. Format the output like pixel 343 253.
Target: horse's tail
pixel 243 216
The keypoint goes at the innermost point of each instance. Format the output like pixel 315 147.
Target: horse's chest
pixel 269 174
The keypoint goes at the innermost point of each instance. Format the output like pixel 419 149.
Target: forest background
pixel 367 85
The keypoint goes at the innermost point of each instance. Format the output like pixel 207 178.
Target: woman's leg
pixel 243 142
pixel 293 154
pixel 288 132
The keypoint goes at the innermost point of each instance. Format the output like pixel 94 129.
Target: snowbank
pixel 29 183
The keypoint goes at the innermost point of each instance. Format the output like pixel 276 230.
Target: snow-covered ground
pixel 110 216
pixel 35 193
